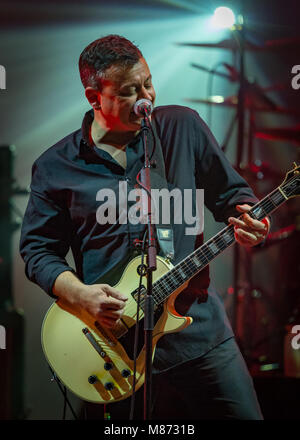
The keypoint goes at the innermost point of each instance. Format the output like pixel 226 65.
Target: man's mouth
pixel 134 116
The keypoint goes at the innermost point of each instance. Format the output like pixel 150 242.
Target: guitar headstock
pixel 291 184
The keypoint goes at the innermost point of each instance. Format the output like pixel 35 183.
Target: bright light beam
pixel 223 18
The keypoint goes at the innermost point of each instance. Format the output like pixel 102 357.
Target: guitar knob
pixel 93 379
pixel 109 386
pixel 108 366
pixel 126 373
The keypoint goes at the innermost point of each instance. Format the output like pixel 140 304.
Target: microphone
pixel 143 107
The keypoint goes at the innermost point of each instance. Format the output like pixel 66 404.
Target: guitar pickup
pixel 136 291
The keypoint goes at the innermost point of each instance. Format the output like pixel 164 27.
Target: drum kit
pixel 255 101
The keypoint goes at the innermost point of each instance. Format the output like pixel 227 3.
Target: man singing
pixel 198 373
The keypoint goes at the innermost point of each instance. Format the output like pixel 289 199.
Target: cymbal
pixel 252 89
pixel 286 134
pixel 234 45
pixel 232 101
pixel 259 171
pixel 283 43
pixel 230 44
pixel 279 236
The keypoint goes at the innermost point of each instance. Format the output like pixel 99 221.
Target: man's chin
pixel 135 122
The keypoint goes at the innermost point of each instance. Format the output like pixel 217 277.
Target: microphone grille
pixel 141 106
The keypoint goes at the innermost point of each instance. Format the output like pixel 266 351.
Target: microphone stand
pixel 151 266
pixel 240 36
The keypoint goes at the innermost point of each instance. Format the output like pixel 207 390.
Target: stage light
pixel 223 18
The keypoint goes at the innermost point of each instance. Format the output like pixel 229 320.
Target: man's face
pixel 120 90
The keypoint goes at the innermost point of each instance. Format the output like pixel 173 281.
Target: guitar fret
pixel 228 238
pixel 178 277
pixel 192 265
pixel 182 273
pixel 276 198
pixel 208 252
pixel 196 261
pixel 222 241
pixel 172 282
pixel 258 212
pixel 214 248
pixel 202 257
pixel 271 198
pixel 165 284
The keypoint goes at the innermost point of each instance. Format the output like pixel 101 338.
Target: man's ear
pixel 93 96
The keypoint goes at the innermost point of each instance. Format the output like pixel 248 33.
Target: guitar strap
pixel 164 232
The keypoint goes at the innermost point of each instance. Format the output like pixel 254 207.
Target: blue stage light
pixel 223 18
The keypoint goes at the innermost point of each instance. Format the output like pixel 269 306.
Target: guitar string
pixel 265 205
pixel 170 281
pixel 206 251
pixel 216 239
pixel 270 201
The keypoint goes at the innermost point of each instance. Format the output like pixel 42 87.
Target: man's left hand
pixel 248 231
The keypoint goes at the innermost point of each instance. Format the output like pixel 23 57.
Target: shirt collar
pixel 87 147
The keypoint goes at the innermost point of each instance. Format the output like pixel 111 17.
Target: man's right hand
pixel 103 302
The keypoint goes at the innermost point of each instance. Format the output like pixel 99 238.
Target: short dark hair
pixel 99 55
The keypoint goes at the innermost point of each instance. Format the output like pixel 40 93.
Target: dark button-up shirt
pixel 65 199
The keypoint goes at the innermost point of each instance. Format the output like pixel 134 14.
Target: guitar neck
pixel 201 257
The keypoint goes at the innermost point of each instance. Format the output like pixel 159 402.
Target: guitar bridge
pixel 120 329
pixel 105 334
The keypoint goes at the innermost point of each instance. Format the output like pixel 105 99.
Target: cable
pixel 65 404
pixel 64 393
pixel 150 128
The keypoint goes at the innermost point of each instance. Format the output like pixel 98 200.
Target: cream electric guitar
pixel 95 363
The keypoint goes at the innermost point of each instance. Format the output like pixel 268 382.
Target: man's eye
pixel 127 92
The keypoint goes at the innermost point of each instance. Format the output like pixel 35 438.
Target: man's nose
pixel 145 94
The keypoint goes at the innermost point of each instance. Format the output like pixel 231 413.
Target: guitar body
pixel 96 363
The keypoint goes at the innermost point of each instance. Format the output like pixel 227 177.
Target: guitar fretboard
pixel 201 257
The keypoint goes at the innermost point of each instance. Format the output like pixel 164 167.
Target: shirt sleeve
pixel 223 187
pixel 45 240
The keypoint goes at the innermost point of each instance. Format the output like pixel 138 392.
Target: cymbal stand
pixel 239 34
